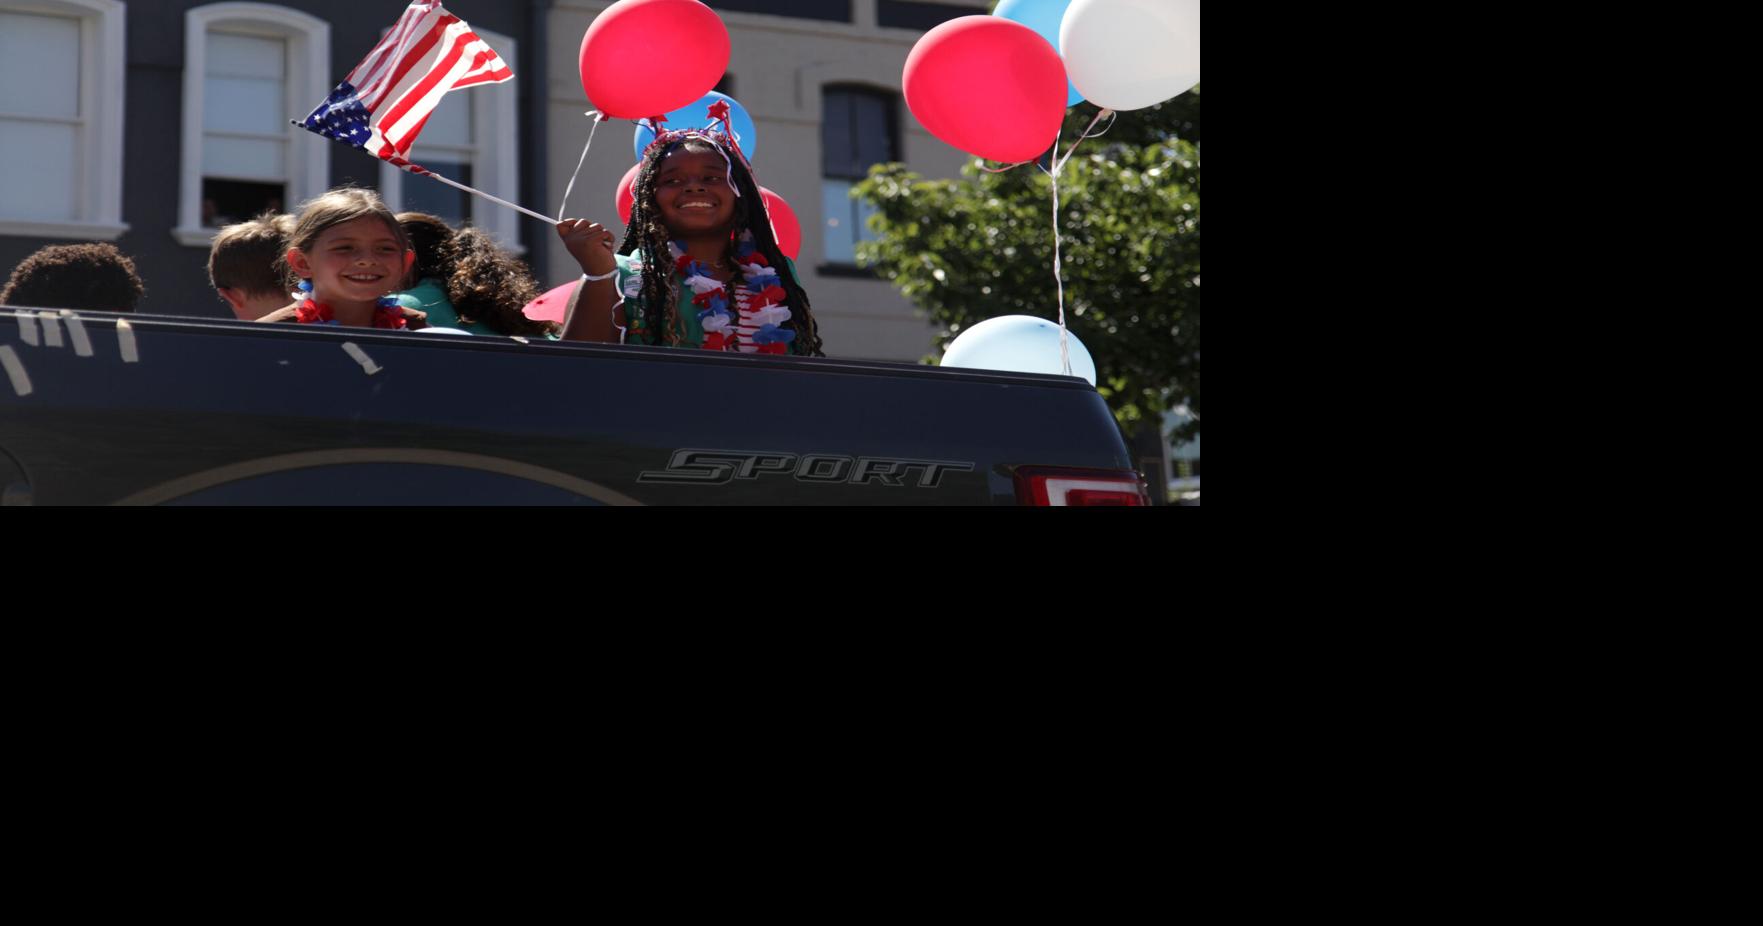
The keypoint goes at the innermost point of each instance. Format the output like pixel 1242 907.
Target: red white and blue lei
pixel 748 320
pixel 387 314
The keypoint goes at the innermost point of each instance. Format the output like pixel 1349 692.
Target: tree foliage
pixel 980 247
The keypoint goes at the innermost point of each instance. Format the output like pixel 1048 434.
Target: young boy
pixel 94 277
pixel 245 265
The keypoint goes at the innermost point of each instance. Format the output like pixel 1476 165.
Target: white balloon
pixel 1019 343
pixel 1130 54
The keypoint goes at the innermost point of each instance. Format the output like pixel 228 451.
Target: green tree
pixel 980 247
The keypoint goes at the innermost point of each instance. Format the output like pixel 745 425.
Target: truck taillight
pixel 1060 487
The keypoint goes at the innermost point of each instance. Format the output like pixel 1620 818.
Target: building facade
pixel 151 123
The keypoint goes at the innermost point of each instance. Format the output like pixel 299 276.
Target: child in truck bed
pixel 699 267
pixel 351 256
pixel 97 277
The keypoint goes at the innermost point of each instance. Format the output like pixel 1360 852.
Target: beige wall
pixel 779 65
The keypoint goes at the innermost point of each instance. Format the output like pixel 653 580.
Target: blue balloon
pixel 697 116
pixel 1020 343
pixel 1043 16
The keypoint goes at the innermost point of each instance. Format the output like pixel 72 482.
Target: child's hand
pixel 415 319
pixel 589 243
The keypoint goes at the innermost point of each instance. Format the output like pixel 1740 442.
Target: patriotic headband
pixel 722 139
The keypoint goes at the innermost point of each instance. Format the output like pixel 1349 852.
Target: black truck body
pixel 98 408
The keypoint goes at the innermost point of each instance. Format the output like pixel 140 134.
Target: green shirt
pixel 431 296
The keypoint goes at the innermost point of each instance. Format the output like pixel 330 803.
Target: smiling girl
pixel 700 266
pixel 351 255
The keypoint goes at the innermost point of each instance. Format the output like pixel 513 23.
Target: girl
pixel 350 255
pixel 699 266
pixel 467 281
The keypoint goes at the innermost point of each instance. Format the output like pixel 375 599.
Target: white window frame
pixel 495 163
pixel 103 64
pixel 309 81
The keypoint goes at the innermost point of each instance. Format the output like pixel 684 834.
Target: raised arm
pixel 593 304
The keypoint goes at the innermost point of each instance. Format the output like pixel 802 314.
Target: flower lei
pixel 750 325
pixel 389 313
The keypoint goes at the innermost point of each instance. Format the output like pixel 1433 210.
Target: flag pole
pixel 495 199
pixel 421 171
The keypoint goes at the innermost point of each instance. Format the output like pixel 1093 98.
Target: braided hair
pixel 648 235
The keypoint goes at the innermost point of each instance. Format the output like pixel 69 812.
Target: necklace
pixel 387 314
pixel 748 320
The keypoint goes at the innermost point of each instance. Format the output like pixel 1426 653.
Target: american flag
pixel 382 105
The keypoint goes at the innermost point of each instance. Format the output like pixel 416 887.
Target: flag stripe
pixel 382 52
pixel 393 47
pixel 488 68
pixel 398 44
pixel 414 105
pixel 438 60
pixel 404 120
pixel 420 50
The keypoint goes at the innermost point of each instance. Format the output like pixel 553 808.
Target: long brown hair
pixel 484 283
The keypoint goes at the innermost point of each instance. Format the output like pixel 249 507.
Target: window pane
pixel 837 157
pixel 422 194
pixel 39 65
pixel 862 210
pixel 227 201
pixel 835 222
pixel 246 56
pixel 244 104
pixel 875 134
pixel 40 159
pixel 244 158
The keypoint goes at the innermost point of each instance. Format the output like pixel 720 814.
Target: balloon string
pixel 1059 276
pixel 1112 115
pixel 1060 164
pixel 1058 260
pixel 599 117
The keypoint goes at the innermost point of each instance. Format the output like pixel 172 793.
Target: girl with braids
pixel 465 281
pixel 699 266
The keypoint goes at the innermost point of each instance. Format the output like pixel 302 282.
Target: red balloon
pixel 784 224
pixel 624 199
pixel 648 57
pixel 550 306
pixel 989 86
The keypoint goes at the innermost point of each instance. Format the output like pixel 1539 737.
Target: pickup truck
pixel 99 408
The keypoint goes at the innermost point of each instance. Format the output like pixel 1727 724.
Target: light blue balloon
pixel 1019 343
pixel 1043 16
pixel 697 116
